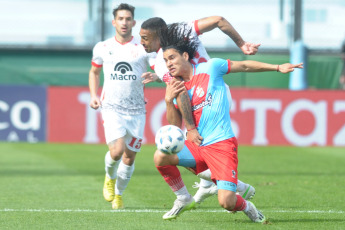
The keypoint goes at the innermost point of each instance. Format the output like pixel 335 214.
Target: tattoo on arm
pixel 185 109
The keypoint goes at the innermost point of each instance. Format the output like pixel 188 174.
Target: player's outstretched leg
pixel 179 207
pixel 254 214
pixel 207 188
pixel 109 189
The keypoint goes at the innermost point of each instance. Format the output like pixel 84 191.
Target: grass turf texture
pixel 59 186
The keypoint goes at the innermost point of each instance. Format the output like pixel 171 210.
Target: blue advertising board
pixel 23 113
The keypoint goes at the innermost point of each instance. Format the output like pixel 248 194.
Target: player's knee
pixel 158 158
pixel 227 204
pixel 161 159
pixel 227 201
pixel 116 153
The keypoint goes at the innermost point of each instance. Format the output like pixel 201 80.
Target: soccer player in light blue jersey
pixel 210 109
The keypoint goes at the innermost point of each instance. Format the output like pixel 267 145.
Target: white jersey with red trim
pixel 201 55
pixel 123 65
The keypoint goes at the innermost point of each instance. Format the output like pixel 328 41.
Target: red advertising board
pixel 259 117
pixel 284 117
pixel 70 118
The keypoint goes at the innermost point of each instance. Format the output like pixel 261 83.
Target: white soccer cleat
pixel 248 193
pixel 254 214
pixel 178 208
pixel 203 192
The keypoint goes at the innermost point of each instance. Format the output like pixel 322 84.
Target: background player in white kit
pixel 124 60
pixel 150 40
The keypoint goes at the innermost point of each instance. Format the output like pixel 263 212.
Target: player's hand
pixel 287 67
pixel 95 103
pixel 149 77
pixel 194 136
pixel 250 48
pixel 174 87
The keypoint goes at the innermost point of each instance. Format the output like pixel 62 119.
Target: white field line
pixel 162 211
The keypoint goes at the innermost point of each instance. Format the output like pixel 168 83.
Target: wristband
pixel 191 129
pixel 278 68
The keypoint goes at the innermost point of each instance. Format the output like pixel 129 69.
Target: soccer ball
pixel 169 139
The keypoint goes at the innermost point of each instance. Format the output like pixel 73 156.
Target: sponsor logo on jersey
pixel 167 77
pixel 121 70
pixel 208 101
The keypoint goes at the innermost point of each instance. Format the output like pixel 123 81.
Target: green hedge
pixel 70 68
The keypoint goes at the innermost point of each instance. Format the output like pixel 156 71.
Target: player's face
pixel 149 40
pixel 124 23
pixel 176 63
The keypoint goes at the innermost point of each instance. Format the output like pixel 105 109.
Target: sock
pixel 172 176
pixel 183 194
pixel 206 183
pixel 111 166
pixel 241 186
pixel 206 175
pixel 241 204
pixel 124 174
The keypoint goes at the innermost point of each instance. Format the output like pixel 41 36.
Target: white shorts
pixel 129 126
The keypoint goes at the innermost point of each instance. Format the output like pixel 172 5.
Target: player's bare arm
pixel 254 66
pixel 94 75
pixel 184 106
pixel 173 88
pixel 210 23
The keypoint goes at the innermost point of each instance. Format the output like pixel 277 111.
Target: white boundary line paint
pixel 162 211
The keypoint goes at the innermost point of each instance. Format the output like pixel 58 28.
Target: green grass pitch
pixel 59 186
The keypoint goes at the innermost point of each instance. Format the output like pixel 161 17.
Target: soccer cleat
pixel 178 208
pixel 204 193
pixel 109 189
pixel 254 214
pixel 248 193
pixel 117 202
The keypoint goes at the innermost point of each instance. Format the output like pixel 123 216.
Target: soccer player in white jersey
pixel 122 103
pixel 149 33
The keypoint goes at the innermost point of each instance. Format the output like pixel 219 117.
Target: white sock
pixel 182 194
pixel 124 174
pixel 111 166
pixel 206 175
pixel 205 183
pixel 241 186
pixel 246 208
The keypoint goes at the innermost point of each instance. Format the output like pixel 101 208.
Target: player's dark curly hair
pixel 178 36
pixel 155 25
pixel 124 6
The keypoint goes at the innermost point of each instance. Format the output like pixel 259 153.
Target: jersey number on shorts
pixel 135 143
